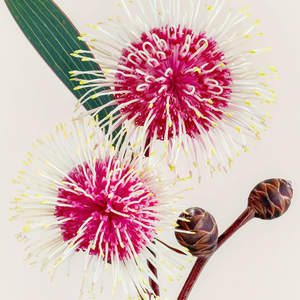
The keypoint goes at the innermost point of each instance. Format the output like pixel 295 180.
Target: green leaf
pixel 54 37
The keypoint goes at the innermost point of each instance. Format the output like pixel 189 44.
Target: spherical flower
pixel 83 192
pixel 178 78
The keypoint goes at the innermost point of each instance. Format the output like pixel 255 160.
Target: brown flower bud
pixel 271 198
pixel 204 240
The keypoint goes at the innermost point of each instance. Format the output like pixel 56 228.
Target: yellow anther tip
pixel 257 22
pixel 244 9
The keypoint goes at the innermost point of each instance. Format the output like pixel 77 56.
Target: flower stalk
pixel 152 283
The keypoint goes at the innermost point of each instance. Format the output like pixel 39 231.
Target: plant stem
pixel 245 217
pixel 152 283
pixel 193 276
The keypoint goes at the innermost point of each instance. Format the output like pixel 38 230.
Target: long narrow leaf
pixel 54 37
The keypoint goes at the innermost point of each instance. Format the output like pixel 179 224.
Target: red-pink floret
pixel 84 207
pixel 174 83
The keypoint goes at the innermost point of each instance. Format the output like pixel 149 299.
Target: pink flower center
pixel 106 210
pixel 177 77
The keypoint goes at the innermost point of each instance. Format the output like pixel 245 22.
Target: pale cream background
pixel 261 262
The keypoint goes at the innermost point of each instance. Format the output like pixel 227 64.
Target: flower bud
pixel 204 240
pixel 271 198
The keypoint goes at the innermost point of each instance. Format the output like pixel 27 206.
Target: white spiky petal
pixel 48 173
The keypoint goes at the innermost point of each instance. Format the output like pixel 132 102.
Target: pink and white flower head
pixel 178 78
pixel 81 194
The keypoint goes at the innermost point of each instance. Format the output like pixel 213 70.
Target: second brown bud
pixel 271 198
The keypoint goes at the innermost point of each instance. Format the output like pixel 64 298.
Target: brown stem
pixel 173 249
pixel 193 276
pixel 152 283
pixel 245 217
